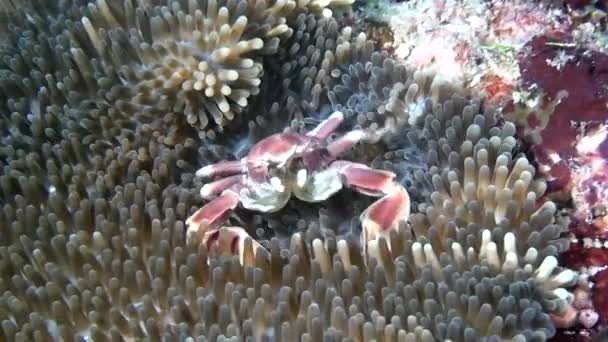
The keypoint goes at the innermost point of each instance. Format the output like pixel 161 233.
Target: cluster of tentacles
pixel 109 107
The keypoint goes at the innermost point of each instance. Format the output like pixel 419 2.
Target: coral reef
pixel 109 107
pixel 474 42
pixel 562 116
pixel 545 61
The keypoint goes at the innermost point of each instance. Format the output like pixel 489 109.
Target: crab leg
pixel 328 126
pixel 350 139
pixel 215 188
pixel 387 212
pixel 213 214
pixel 223 168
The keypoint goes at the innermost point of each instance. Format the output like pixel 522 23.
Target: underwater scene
pixel 304 170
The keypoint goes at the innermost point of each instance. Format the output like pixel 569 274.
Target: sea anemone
pixel 183 65
pixel 190 62
pixel 479 194
pixel 95 188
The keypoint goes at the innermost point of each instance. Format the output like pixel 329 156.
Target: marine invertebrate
pixel 440 125
pixel 194 63
pixel 453 153
pixel 475 42
pixel 95 199
pixel 498 194
pixel 41 60
pixel 365 88
pixel 314 59
pixel 194 60
pixel 291 163
pixel 578 85
pixel 575 92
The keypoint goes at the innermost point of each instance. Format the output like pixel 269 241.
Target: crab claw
pixel 218 187
pixel 384 215
pixel 213 214
pixel 232 241
pixel 224 168
pixel 387 212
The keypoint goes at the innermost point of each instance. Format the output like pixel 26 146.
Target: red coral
pixel 572 151
pixel 558 176
pixel 600 294
pixel 585 78
pixel 497 90
pixel 573 148
pixel 570 336
pixel 578 4
pixel 578 256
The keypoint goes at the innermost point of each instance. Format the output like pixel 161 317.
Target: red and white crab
pixel 304 165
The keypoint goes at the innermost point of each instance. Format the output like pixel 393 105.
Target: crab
pixel 305 166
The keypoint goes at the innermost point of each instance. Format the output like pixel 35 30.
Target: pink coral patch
pixel 600 295
pixel 584 77
pixel 577 256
